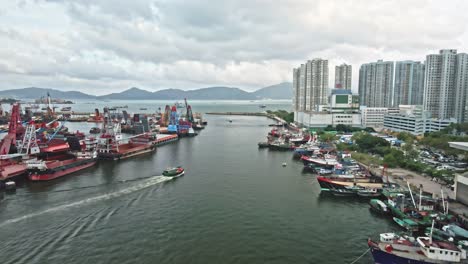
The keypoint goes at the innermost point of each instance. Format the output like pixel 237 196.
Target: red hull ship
pixel 49 170
pixel 64 163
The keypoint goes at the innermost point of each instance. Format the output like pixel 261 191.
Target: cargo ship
pixel 111 146
pixel 47 169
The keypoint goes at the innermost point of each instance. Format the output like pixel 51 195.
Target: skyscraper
pixel 461 86
pixel 296 88
pixel 376 84
pixel 409 83
pixel 343 74
pixel 445 86
pixel 311 85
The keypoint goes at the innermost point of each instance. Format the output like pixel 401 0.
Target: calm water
pixel 201 106
pixel 236 204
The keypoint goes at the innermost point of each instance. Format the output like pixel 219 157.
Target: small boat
pixel 284 164
pixel 407 224
pixel 143 108
pixel 280 146
pixel 10 186
pixel 174 172
pixel 263 144
pixel 262 106
pixel 65 109
pixel 378 206
pixel 230 120
pixel 198 127
pixel 95 130
pixel 191 132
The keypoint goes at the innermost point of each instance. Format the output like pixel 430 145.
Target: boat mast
pixel 443 201
pixel 411 193
pixel 432 228
pixel 420 196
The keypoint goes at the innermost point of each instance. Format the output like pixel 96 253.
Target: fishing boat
pixel 456 231
pixel 327 182
pixel 298 140
pixel 174 172
pixel 280 146
pixel 327 161
pixel 407 224
pixel 378 206
pixel 394 249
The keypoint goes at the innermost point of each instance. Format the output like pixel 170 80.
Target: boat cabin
pixel 439 250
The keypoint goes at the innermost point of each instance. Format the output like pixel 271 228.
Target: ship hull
pixel 327 183
pixel 51 174
pixel 382 257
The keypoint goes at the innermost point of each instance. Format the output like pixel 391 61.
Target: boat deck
pixel 12 171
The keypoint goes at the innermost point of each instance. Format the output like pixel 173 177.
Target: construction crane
pixel 174 121
pixel 167 116
pixel 10 139
pixel 189 112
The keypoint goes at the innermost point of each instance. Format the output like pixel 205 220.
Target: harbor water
pixel 236 204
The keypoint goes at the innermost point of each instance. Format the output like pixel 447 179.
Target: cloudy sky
pixel 103 46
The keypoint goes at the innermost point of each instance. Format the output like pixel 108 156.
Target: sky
pixel 104 46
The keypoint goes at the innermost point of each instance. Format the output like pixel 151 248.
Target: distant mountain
pixel 277 91
pixel 36 93
pixel 220 93
pixel 130 94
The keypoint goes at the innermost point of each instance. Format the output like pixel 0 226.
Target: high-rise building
pixel 409 83
pixel 445 86
pixel 461 86
pixel 343 74
pixel 376 84
pixel 296 88
pixel 310 83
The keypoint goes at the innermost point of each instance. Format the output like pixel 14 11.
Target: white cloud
pixel 109 45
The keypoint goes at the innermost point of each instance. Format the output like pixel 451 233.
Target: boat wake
pixel 145 184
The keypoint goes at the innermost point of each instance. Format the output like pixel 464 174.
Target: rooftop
pixel 459 145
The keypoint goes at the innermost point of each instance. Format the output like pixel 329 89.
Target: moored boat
pixel 394 249
pixel 407 224
pixel 111 146
pixel 263 144
pixel 369 192
pixel 378 206
pixel 95 130
pixel 44 170
pixel 343 192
